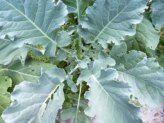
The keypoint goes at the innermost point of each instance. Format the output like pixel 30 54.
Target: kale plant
pixel 81 61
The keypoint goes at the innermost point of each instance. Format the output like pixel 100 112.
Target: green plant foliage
pixel 115 95
pixel 157 14
pixel 30 22
pixel 110 21
pixel 146 36
pixel 1 120
pixel 144 75
pixel 29 72
pixel 42 99
pixel 70 114
pixel 5 83
pixel 78 6
pixel 81 61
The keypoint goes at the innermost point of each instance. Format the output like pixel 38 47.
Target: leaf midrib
pixel 44 34
pixel 18 72
pixel 95 80
pixel 110 23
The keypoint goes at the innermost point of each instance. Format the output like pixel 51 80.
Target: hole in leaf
pixel 32 70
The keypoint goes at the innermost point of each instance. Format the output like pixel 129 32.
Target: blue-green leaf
pixel 157 13
pixel 31 71
pixel 10 54
pixel 111 20
pixel 146 78
pixel 69 115
pixel 77 6
pixel 101 63
pixel 37 102
pixel 27 22
pixel 144 75
pixel 71 83
pixel 108 99
pixel 146 35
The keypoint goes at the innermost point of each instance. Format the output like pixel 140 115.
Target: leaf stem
pixel 78 11
pixel 78 104
pixel 73 70
pixel 78 48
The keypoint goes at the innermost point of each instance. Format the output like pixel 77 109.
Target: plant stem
pixel 78 11
pixel 73 70
pixel 78 48
pixel 78 104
